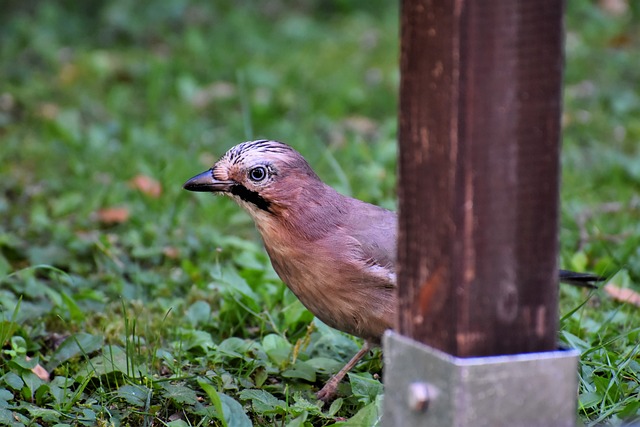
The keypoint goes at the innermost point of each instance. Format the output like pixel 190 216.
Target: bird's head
pixel 264 177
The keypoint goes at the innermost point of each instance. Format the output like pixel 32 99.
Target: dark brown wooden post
pixel 480 105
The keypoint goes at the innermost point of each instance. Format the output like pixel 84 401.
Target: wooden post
pixel 480 106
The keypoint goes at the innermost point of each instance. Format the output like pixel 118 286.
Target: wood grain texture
pixel 479 129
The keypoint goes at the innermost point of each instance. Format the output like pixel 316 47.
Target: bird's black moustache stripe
pixel 250 196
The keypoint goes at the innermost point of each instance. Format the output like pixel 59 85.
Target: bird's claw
pixel 328 392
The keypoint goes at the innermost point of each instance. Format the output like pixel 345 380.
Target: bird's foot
pixel 328 392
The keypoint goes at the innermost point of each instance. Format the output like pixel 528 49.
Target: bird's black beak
pixel 206 182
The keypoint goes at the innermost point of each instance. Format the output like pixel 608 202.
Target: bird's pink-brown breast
pixel 328 270
pixel 338 290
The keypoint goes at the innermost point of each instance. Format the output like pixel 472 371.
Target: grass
pixel 153 306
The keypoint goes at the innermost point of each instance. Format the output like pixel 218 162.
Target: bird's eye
pixel 258 173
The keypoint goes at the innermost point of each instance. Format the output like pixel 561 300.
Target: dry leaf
pixel 171 252
pixel 623 294
pixel 215 91
pixel 614 7
pixel 361 125
pixel 146 185
pixel 7 102
pixel 115 215
pixel 620 41
pixel 40 371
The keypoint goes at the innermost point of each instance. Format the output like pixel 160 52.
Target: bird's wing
pixel 374 228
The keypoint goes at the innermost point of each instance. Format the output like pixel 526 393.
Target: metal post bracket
pixel 426 387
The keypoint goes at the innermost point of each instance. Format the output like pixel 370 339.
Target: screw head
pixel 418 396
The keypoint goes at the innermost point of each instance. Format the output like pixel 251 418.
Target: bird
pixel 337 254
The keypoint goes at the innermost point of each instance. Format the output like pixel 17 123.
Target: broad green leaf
pixel 165 355
pixel 214 397
pixel 75 345
pixel 332 344
pixel 5 395
pixel 277 348
pixel 234 347
pixel 302 370
pixel 298 421
pixel 7 419
pixel 193 338
pixel 18 347
pixel 589 400
pixel 22 362
pixel 89 417
pixel 302 405
pixel 180 394
pixel 111 359
pixel 46 415
pixel 59 394
pixel 335 407
pixel 134 394
pixel 235 282
pixel 365 387
pixel 13 380
pixel 630 410
pixel 260 376
pixel 264 402
pixel 296 312
pixel 198 313
pixel 325 364
pixel 368 416
pixel 233 414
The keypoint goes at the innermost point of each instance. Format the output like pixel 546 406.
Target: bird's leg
pixel 329 390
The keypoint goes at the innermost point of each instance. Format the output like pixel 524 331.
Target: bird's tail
pixel 585 280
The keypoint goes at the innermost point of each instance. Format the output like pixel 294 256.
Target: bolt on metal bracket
pixel 426 387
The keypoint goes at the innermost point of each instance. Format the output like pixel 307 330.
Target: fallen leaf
pixel 614 7
pixel 620 41
pixel 7 102
pixel 146 185
pixel 361 125
pixel 115 215
pixel 171 252
pixel 623 294
pixel 215 91
pixel 40 371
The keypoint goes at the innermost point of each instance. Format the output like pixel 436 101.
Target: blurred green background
pixel 107 107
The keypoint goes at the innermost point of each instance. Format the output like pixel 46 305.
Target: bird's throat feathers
pixel 307 214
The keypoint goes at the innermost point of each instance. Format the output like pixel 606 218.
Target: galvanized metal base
pixel 426 387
